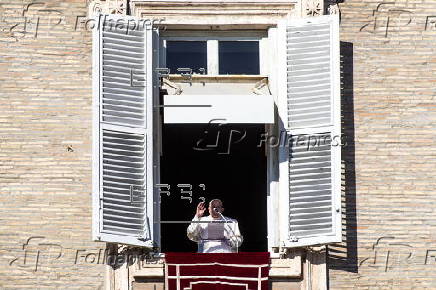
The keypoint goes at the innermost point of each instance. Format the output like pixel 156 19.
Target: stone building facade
pixel 45 147
pixel 388 105
pixel 390 197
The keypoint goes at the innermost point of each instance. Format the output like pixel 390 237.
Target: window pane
pixel 239 57
pixel 186 54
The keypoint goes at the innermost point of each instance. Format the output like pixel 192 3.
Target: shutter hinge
pixel 147 242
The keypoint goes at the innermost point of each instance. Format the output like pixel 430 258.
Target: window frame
pixel 268 40
pixel 212 39
pixel 269 62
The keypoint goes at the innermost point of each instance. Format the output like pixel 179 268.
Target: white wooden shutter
pixel 312 122
pixel 122 131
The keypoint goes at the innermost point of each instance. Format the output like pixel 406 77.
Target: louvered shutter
pixel 123 131
pixel 313 127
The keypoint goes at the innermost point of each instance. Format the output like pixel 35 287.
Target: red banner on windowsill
pixel 197 271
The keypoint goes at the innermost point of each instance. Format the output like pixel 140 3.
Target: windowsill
pixel 279 268
pixel 200 77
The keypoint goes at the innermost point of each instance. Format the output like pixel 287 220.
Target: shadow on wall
pixel 344 256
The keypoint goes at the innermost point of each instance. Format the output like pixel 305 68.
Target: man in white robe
pixel 214 233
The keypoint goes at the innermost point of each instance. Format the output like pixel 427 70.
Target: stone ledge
pixel 214 2
pixel 285 268
pixel 224 13
pixel 279 268
pixel 148 270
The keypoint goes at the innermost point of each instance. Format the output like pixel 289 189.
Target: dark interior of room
pixel 228 160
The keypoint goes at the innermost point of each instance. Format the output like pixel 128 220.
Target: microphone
pixel 217 211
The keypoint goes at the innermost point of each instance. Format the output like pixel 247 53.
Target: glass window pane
pixel 186 54
pixel 239 57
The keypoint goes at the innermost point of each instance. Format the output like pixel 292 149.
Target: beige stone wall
pixel 390 183
pixel 45 148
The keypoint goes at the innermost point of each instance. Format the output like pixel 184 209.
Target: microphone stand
pixel 233 232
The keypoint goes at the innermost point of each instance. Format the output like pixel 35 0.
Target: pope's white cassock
pixel 215 235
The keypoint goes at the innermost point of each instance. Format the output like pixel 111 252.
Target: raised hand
pixel 200 209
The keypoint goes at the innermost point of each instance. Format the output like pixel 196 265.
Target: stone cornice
pixel 214 12
pixel 214 2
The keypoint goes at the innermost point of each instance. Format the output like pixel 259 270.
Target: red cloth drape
pixel 198 271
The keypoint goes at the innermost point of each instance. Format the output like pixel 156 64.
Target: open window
pixel 213 121
pixel 124 94
pixel 310 171
pixel 231 82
